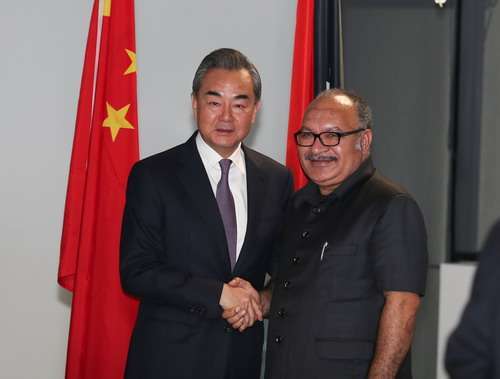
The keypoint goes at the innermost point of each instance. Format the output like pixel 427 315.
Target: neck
pixel 225 153
pixel 326 190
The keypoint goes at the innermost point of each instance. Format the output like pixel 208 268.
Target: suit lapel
pixel 195 180
pixel 256 183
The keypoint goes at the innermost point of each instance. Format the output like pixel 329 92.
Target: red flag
pixel 105 146
pixel 302 89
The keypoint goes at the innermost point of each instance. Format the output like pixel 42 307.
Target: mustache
pixel 320 157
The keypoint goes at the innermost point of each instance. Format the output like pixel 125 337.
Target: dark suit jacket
pixel 174 258
pixel 474 347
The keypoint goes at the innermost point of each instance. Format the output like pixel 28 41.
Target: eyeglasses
pixel 307 139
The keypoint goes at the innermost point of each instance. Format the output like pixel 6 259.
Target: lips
pixel 321 164
pixel 224 130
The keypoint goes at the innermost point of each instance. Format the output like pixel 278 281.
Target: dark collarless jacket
pixel 339 254
pixel 474 347
pixel 174 259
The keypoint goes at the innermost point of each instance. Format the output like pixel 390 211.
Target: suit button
pixel 197 309
pixel 316 210
pixel 228 329
pixel 287 284
pixel 281 313
pixel 305 234
pixel 295 260
pixel 278 339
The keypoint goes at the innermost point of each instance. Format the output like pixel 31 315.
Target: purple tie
pixel 225 202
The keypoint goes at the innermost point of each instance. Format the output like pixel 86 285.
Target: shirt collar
pixel 212 158
pixel 312 195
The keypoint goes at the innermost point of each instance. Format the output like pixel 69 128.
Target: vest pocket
pixel 349 321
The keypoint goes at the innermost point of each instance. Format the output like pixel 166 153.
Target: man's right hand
pixel 241 304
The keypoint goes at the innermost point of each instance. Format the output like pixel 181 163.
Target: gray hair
pixel 364 111
pixel 227 59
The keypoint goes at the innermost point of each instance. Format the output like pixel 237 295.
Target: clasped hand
pixel 241 303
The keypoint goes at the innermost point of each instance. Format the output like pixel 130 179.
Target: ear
pixel 366 141
pixel 194 104
pixel 256 109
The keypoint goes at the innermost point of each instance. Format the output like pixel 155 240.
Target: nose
pixel 227 113
pixel 317 146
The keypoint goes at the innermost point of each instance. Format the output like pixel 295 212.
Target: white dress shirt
pixel 237 183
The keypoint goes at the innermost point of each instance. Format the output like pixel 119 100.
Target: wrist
pixel 223 296
pixel 265 300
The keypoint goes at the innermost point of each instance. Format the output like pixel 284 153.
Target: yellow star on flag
pixel 133 66
pixel 116 120
pixel 106 11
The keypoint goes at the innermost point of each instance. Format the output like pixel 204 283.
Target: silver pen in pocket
pixel 325 245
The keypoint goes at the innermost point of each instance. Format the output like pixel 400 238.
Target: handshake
pixel 242 304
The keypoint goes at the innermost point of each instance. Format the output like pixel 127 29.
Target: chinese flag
pixel 105 146
pixel 302 88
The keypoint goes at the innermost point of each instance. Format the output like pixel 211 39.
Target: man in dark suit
pixel 474 347
pixel 352 263
pixel 197 216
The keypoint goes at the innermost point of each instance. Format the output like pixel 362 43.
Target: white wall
pixel 42 49
pixel 42 52
pixel 454 290
pixel 173 37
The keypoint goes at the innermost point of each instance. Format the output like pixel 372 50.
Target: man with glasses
pixel 352 263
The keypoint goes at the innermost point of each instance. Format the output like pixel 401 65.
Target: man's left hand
pixel 245 315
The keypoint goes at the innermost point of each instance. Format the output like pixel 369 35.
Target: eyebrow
pixel 213 93
pixel 237 97
pixel 305 128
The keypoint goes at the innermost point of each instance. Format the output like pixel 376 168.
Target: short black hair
pixel 227 59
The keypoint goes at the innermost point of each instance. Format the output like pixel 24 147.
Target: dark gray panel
pixel 468 129
pixel 399 56
pixel 489 179
pixel 425 346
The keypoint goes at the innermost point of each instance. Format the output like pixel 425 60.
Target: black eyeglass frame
pixel 318 135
